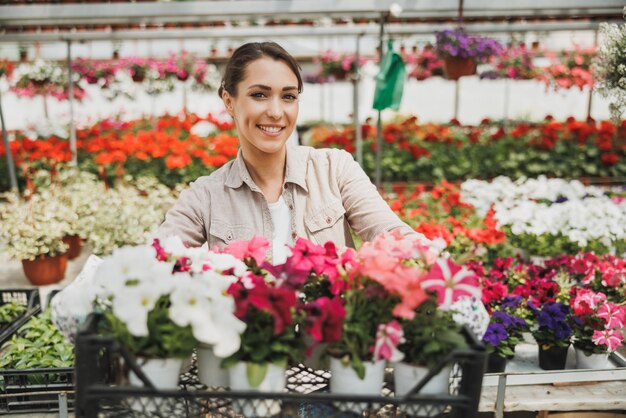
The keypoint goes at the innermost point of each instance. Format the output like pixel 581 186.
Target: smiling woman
pixel 271 189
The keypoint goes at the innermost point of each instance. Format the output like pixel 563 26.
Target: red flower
pixel 609 158
pixel 324 321
pixel 308 256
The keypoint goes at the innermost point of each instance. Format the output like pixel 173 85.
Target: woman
pixel 271 189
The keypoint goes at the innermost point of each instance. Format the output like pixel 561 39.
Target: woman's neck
pixel 267 171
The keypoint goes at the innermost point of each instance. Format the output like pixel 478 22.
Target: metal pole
pixel 70 93
pixel 456 98
pixel 379 124
pixel 507 87
pixel 355 105
pixel 590 99
pixel 5 140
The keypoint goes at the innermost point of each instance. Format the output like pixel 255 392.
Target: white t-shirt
pixel 281 218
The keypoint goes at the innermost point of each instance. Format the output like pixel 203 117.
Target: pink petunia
pixel 451 281
pixel 614 316
pixel 256 248
pixel 388 337
pixel 612 339
pixel 586 301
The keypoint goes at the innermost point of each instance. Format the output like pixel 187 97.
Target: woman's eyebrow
pixel 264 87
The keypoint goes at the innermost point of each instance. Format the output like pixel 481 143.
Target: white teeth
pixel 270 129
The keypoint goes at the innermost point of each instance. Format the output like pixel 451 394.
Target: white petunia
pixel 133 305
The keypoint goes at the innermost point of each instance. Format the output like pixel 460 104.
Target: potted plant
pixel 504 333
pixel 434 331
pixel 160 311
pixel 33 233
pixel 552 333
pixel 596 327
pixel 461 51
pixel 268 344
pixel 382 284
pixel 609 69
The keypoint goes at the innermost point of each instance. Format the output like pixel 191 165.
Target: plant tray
pixel 24 297
pixel 103 391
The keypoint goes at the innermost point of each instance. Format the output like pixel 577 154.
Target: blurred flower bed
pixel 174 149
pixel 414 151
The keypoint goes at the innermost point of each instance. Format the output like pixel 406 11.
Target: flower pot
pixel 163 373
pixel 495 363
pixel 313 358
pixel 455 67
pixel 75 245
pixel 552 357
pixel 45 270
pixel 586 360
pixel 406 376
pixel 210 371
pixel 274 381
pixel 344 380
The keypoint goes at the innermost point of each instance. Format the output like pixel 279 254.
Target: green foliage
pixel 165 339
pixel 430 336
pixel 10 311
pixel 260 346
pixel 37 345
pixel 366 308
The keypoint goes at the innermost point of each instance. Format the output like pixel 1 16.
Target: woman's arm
pixel 368 213
pixel 187 218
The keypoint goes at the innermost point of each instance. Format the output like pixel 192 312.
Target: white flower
pixel 225 262
pixel 132 306
pixel 203 304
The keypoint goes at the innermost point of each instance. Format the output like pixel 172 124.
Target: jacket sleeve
pixel 367 212
pixel 187 219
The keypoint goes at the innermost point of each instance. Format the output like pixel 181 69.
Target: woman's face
pixel 265 108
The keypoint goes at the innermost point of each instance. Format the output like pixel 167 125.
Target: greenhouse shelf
pixel 24 297
pixel 102 390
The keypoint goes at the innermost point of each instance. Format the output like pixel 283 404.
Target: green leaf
pixel 256 373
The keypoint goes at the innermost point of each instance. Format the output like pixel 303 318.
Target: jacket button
pixel 291 207
pixel 328 220
pixel 229 237
pixel 294 235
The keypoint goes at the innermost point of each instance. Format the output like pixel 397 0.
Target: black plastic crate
pixel 32 390
pixel 102 391
pixel 24 297
pixel 35 390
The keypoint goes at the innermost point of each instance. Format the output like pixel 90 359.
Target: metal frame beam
pixel 291 31
pixel 203 11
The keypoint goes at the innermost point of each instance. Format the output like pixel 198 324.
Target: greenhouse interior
pixel 290 208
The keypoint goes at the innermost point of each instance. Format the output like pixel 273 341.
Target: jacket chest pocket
pixel 223 233
pixel 324 222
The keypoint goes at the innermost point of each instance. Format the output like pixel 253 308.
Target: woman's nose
pixel 274 108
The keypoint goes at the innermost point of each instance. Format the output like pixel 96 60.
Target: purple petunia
pixel 495 334
pixel 511 301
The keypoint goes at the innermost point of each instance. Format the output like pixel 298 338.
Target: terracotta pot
pixel 45 270
pixel 456 68
pixel 75 244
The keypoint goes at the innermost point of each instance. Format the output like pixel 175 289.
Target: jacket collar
pixel 295 172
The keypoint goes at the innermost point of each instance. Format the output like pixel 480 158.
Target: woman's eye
pixel 258 95
pixel 290 97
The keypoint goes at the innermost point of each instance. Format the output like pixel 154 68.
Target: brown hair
pixel 252 51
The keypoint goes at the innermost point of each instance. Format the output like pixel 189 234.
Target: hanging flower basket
pixel 455 67
pixel 45 270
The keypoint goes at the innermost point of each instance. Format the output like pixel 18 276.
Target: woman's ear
pixel 228 103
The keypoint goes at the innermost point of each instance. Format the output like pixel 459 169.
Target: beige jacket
pixel 326 190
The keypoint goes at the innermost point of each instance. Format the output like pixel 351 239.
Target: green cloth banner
pixel 390 80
